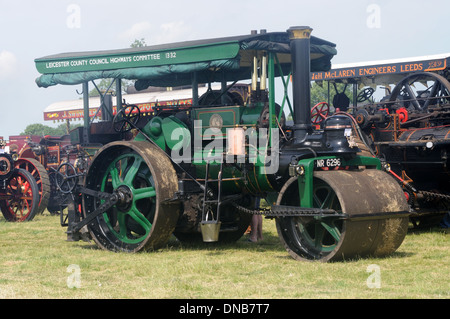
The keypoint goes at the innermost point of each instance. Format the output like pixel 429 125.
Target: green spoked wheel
pixel 146 181
pixel 376 223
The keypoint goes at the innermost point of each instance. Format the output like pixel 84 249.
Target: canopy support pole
pixel 86 112
pixel 194 89
pixel 118 95
pixel 272 111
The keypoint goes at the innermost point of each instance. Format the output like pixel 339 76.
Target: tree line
pixel 42 130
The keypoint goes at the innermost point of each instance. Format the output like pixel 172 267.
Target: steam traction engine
pixel 196 173
pixel 42 156
pixel 409 129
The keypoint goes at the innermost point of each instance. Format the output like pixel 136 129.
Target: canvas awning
pixel 213 60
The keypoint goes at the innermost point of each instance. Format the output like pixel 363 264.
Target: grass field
pixel 36 261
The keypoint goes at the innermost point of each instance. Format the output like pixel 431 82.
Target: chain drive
pixel 286 211
pixel 434 195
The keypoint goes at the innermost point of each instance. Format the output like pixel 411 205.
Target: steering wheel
pixel 126 118
pixel 319 112
pixel 365 95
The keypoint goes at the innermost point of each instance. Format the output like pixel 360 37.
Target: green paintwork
pixel 230 115
pixel 255 183
pixel 153 129
pixel 175 132
pixel 106 60
pixel 250 115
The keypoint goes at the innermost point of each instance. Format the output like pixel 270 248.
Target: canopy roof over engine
pixel 212 60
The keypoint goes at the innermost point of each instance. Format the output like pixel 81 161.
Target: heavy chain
pixel 284 211
pixel 435 195
pixel 250 211
pixel 426 194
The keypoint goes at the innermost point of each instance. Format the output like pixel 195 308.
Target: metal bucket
pixel 210 231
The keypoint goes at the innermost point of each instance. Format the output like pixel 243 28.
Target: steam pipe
pixel 300 56
pixel 255 74
pixel 263 81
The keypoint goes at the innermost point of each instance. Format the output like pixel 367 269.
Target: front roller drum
pixel 145 177
pixel 375 223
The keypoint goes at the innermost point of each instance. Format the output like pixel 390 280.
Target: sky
pixel 363 30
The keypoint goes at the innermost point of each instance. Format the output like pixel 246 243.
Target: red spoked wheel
pixel 319 112
pixel 40 174
pixel 19 199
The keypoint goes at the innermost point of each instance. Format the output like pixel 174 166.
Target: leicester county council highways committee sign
pixel 125 58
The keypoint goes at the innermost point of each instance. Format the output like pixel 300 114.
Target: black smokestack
pixel 300 56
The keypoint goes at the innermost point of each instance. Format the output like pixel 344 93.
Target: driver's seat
pixel 341 102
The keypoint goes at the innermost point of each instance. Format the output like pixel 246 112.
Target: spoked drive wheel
pixel 145 178
pixel 42 179
pixel 20 199
pixel 353 193
pixel 436 92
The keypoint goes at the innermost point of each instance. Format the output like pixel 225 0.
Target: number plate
pixel 327 163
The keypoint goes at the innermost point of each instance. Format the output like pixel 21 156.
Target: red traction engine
pixel 19 194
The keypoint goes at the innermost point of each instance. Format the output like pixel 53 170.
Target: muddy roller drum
pixel 145 180
pixel 374 218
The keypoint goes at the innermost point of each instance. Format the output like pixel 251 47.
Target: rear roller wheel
pixel 145 176
pixel 352 193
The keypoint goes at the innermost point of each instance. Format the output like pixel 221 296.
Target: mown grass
pixel 35 256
